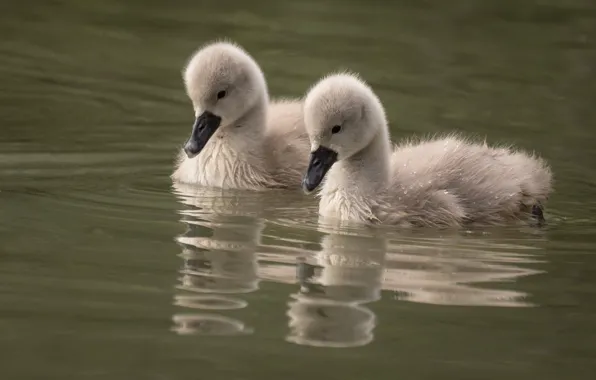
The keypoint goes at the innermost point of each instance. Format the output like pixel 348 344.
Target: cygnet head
pixel 224 83
pixel 342 116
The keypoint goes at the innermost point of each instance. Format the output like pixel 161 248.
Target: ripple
pixel 208 324
pixel 209 302
pixel 320 323
pixel 219 254
pixel 196 282
pixel 446 271
pixel 335 285
pixel 130 200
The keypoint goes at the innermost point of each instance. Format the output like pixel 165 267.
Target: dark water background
pixel 108 272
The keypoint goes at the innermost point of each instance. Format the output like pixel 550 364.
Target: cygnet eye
pixel 221 94
pixel 336 129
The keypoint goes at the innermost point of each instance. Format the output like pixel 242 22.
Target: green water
pixel 106 272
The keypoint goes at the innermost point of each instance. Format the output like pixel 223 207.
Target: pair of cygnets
pixel 337 138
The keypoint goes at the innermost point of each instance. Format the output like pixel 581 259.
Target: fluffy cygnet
pixel 239 140
pixel 446 181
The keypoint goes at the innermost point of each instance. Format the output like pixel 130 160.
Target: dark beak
pixel 205 126
pixel 321 161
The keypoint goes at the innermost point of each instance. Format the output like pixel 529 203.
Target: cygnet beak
pixel 321 161
pixel 204 127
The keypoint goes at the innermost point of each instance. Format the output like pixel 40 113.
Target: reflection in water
pixel 442 271
pixel 329 308
pixel 219 250
pixel 351 270
pixel 208 324
pixel 209 302
pixel 225 255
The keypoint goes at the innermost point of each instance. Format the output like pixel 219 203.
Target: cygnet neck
pixel 255 117
pixel 368 170
pixel 246 133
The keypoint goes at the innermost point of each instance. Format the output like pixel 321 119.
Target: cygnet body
pixel 444 181
pixel 240 139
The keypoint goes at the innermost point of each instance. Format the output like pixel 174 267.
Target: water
pixel 107 271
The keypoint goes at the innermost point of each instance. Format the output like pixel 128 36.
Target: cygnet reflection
pixel 219 253
pixel 335 284
pixel 459 271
